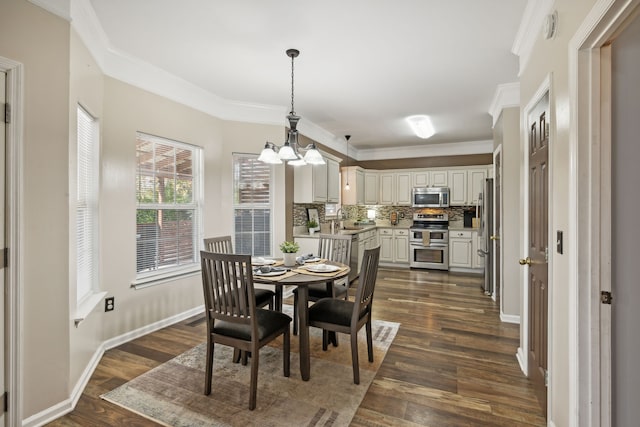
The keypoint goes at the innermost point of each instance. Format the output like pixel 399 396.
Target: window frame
pixel 169 273
pixel 237 206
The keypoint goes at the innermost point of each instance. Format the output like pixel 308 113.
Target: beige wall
pixel 507 135
pixel 550 58
pixel 40 42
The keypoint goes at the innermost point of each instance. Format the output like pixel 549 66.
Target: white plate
pixel 262 261
pixel 271 273
pixel 322 268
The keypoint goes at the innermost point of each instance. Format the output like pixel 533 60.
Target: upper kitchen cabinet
pixel 465 186
pixel 430 178
pixel 371 192
pixel 317 183
pixel 395 188
pixel 355 195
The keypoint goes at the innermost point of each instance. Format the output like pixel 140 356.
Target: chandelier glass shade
pixel 291 151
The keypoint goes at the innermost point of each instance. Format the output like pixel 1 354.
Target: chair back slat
pixel 227 282
pixel 367 281
pixel 335 247
pixel 221 245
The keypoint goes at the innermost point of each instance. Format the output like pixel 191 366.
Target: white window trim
pixel 170 274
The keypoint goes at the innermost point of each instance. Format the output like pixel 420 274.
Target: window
pixel 169 204
pixel 252 205
pixel 87 205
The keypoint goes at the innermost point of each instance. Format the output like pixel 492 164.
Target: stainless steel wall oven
pixel 429 241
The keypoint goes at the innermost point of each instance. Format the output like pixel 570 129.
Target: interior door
pixel 497 224
pixel 625 233
pixel 3 79
pixel 536 262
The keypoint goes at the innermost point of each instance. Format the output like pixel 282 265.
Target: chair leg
pixel 208 372
pixel 369 340
pixel 245 357
pixel 325 339
pixel 295 313
pixel 286 346
pixel 354 357
pixel 236 356
pixel 253 386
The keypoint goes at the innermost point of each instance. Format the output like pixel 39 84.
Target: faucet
pixel 340 215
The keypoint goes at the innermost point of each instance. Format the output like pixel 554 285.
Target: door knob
pixel 494 237
pixel 525 261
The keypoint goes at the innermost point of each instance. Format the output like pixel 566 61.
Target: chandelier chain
pixel 293 111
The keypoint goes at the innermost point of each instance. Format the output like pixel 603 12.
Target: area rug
pixel 172 393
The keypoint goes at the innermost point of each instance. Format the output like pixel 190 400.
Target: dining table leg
pixel 303 332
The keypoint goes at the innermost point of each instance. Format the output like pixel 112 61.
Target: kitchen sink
pixel 353 227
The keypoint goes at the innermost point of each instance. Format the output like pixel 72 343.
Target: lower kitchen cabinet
pixel 394 245
pixel 463 250
pixel 366 240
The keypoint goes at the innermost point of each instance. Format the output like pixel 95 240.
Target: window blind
pixel 86 204
pixel 252 205
pixel 167 216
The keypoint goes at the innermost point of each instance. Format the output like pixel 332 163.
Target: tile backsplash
pixel 382 212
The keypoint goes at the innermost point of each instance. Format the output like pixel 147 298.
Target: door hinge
pixel 7 113
pixel 546 254
pixel 606 297
pixel 4 402
pixel 546 378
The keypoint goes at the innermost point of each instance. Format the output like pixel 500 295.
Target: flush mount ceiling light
pixel 421 126
pixel 290 150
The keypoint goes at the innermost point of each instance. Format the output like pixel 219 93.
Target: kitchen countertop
pixel 459 226
pixel 350 231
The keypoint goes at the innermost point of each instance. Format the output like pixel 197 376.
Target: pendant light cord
pixel 293 111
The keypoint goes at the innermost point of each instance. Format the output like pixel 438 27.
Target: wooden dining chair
pixel 334 247
pixel 233 318
pixel 224 245
pixel 348 317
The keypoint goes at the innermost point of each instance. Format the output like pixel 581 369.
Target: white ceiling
pixel 364 64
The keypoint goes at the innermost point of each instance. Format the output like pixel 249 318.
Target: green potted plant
pixel 312 225
pixel 289 252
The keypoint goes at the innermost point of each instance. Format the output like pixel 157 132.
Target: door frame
pixel 13 168
pixel 523 351
pixel 590 184
pixel 497 152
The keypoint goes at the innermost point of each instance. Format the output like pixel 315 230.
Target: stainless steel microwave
pixel 430 197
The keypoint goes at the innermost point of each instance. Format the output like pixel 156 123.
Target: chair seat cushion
pixel 269 321
pixel 331 310
pixel 263 296
pixel 319 290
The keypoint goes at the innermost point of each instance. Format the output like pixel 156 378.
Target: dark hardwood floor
pixel 452 362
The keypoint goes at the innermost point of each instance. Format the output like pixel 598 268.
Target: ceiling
pixel 364 65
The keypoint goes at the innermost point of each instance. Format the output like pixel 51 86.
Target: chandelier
pixel 290 150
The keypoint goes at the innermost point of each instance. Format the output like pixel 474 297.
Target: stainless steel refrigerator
pixel 485 205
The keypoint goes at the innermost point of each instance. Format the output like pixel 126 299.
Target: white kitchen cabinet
pixel 311 183
pixel 420 178
pixel 394 245
pixel 439 178
pixel 355 194
pixel 460 249
pixel 458 187
pixel 370 188
pixel 475 184
pixel 430 178
pixel 403 189
pixel 366 240
pixel 395 188
pixel 333 181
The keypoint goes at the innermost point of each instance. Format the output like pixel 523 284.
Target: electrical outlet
pixel 109 304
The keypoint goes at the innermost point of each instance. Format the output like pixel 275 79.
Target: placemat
pixel 312 273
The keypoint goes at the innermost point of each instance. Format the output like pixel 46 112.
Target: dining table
pixel 301 276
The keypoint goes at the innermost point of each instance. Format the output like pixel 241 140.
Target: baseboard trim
pixel 66 406
pixel 521 361
pixel 510 318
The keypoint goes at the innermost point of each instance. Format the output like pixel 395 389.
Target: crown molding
pixel 126 68
pixel 530 29
pixel 433 150
pixel 507 95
